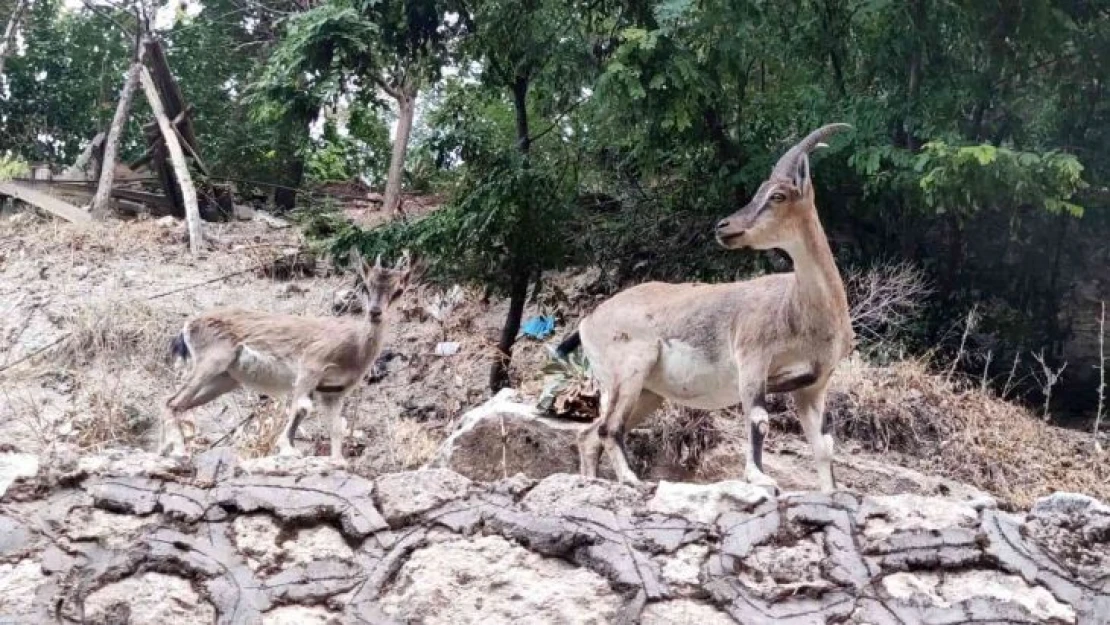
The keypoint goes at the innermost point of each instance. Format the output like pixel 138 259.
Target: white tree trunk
pixel 177 157
pixel 7 44
pixel 103 197
pixel 406 104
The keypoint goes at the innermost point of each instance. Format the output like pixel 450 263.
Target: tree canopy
pixel 617 131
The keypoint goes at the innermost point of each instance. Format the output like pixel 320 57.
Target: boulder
pixel 491 580
pixel 705 502
pixel 14 466
pixel 504 437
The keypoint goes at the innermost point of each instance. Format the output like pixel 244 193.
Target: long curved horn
pixel 785 167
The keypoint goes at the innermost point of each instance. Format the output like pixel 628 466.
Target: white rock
pixel 18 583
pixel 129 463
pixel 887 514
pixel 316 543
pixel 683 612
pixel 567 492
pixel 491 581
pixel 153 598
pixel 290 465
pixel 683 567
pixel 447 348
pixel 403 495
pixel 945 590
pixel 705 502
pixel 14 466
pixel 505 429
pixel 110 530
pixel 256 537
pixel 300 615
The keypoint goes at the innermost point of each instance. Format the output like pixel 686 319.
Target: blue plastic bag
pixel 539 327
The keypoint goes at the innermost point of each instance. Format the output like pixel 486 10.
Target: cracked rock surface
pixel 126 537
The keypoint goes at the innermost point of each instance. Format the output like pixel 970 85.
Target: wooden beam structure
pixel 45 202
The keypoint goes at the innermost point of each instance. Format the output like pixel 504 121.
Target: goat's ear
pixel 801 174
pixel 354 257
pixel 358 265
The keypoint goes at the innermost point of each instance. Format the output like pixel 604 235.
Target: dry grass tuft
pixel 112 420
pixel 684 435
pixel 395 444
pixel 962 433
pixel 117 328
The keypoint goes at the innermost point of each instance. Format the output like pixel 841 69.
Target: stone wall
pixel 131 538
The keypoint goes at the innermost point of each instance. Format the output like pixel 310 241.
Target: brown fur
pixel 716 345
pixel 313 359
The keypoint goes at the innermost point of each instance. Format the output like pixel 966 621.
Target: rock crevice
pixel 129 539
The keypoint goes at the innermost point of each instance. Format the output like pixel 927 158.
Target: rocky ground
pixel 126 537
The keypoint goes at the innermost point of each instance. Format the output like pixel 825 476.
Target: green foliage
pixel 970 177
pixel 360 153
pixel 474 237
pixel 62 89
pixel 12 168
pixel 975 129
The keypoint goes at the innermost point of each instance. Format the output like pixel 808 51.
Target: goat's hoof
pixel 630 479
pixel 290 452
pixel 758 478
pixel 174 450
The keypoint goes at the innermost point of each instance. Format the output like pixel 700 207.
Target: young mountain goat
pixel 715 346
pixel 315 360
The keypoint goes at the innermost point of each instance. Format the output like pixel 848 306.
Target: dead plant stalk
pixel 1051 377
pixel 1101 373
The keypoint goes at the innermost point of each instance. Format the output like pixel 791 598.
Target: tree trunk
pixel 8 42
pixel 103 197
pixel 177 157
pixel 518 269
pixel 518 294
pixel 285 197
pixel 913 80
pixel 406 105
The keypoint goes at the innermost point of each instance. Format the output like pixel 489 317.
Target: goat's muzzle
pixel 727 236
pixel 375 314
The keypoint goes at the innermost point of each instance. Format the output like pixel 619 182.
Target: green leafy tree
pixel 356 47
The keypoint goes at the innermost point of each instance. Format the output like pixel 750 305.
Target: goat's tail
pixel 179 349
pixel 568 345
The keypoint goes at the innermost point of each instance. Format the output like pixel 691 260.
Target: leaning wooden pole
pixel 103 199
pixel 177 158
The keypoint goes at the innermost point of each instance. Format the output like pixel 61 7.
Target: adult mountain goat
pixel 719 345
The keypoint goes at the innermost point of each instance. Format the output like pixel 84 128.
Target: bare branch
pixel 1101 374
pixel 1051 377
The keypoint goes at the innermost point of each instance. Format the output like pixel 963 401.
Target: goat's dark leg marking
pixel 757 434
pixel 791 384
pixel 757 446
pixel 827 422
pixel 618 440
pixel 298 416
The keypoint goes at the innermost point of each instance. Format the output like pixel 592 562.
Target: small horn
pixel 378 262
pixel 786 164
